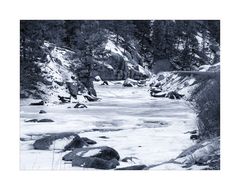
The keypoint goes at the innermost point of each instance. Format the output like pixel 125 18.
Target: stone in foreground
pixel 42 111
pixel 103 152
pixel 62 141
pixel 94 162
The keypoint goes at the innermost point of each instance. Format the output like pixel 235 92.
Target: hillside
pixel 202 89
pixel 61 68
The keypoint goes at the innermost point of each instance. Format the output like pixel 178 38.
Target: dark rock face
pixel 80 105
pixel 42 111
pixel 103 152
pixel 73 89
pixel 93 162
pixel 45 142
pixel 117 68
pixel 86 76
pixel 135 167
pixel 41 103
pixel 77 142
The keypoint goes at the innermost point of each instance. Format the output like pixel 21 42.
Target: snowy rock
pixel 171 95
pixel 45 142
pixel 102 152
pixel 89 141
pixel 80 105
pixel 194 137
pixel 105 83
pixel 64 99
pixel 206 152
pixel 155 90
pixel 130 83
pixel 90 98
pixel 77 142
pixel 129 159
pixel 32 120
pixel 42 111
pixel 94 162
pixel 98 78
pixel 103 137
pixel 39 121
pixel 191 132
pixel 45 120
pixel 41 103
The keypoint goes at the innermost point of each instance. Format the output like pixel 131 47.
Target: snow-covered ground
pixel 135 124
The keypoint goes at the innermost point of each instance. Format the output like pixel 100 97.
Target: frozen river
pixel 133 123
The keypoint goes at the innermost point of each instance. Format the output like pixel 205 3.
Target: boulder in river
pixel 194 137
pixel 94 162
pixel 45 120
pixel 39 121
pixel 90 98
pixel 80 105
pixel 77 142
pixel 42 111
pixel 32 120
pixel 130 83
pixel 103 152
pixel 105 83
pixel 41 103
pixel 171 95
pixel 89 141
pixel 54 141
pixel 64 99
pixel 98 78
pixel 103 137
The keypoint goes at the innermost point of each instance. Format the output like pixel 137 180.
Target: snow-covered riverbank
pixel 133 123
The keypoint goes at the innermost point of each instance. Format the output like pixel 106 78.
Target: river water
pixel 131 121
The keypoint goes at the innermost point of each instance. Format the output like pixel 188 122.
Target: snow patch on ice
pixel 59 144
pixel 89 153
